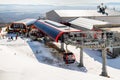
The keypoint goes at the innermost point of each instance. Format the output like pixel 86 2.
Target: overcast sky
pixel 55 2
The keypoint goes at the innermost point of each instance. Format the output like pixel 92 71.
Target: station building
pixel 69 15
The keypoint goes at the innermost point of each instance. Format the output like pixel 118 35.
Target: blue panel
pixel 50 31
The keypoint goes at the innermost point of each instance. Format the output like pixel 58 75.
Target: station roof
pixel 53 29
pixel 26 21
pixel 85 13
pixel 87 23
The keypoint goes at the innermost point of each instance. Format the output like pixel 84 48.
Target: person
pixel 11 37
pixel 45 40
pixel 16 36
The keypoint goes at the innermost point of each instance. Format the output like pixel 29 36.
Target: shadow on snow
pixel 43 55
pixel 97 56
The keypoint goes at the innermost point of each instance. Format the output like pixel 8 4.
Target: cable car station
pixel 92 39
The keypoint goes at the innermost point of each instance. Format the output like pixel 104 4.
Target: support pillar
pixel 81 58
pixel 62 43
pixel 62 46
pixel 104 69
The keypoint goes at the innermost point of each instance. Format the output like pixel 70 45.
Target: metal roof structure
pixel 87 23
pixel 85 13
pixel 55 32
pixel 26 21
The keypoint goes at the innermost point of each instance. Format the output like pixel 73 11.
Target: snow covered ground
pixel 23 59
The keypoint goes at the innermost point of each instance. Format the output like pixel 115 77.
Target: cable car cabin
pixel 69 58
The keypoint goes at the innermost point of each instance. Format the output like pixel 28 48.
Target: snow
pixel 23 59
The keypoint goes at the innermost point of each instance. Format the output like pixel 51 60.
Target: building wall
pixel 52 15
